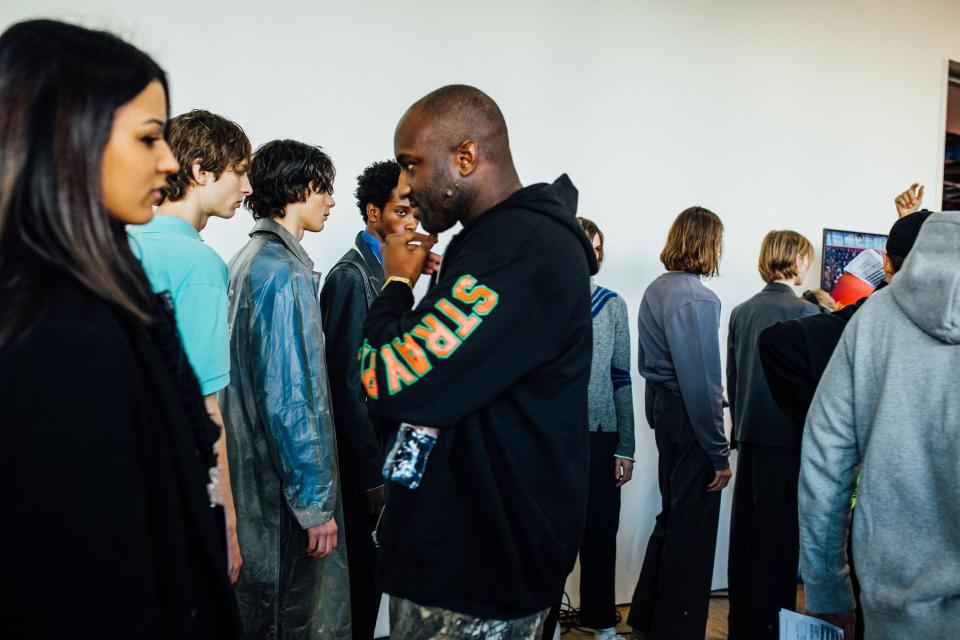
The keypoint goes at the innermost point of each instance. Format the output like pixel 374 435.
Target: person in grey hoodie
pixel 679 356
pixel 867 414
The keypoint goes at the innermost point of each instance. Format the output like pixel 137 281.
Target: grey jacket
pixel 679 348
pixel 756 417
pixel 283 459
pixel 610 396
pixel 889 402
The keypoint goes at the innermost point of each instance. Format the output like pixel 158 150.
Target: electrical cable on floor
pixel 570 616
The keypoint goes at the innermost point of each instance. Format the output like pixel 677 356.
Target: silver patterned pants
pixel 411 621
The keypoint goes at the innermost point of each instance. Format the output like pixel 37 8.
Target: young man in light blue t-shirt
pixel 214 156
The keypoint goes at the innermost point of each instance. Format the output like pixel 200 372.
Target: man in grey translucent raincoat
pixel 283 461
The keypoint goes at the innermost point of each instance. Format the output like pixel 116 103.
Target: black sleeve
pixel 343 306
pixel 732 374
pixel 786 366
pixel 486 324
pixel 73 486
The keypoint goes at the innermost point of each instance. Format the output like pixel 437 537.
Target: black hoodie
pixel 497 356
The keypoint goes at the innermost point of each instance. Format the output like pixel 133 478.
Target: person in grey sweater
pixel 611 426
pixel 869 414
pixel 679 356
pixel 764 543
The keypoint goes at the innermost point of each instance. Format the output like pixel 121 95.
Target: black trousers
pixel 598 549
pixel 361 565
pixel 764 541
pixel 672 597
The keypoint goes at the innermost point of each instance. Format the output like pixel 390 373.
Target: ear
pixel 467 157
pixel 373 213
pixel 887 268
pixel 199 176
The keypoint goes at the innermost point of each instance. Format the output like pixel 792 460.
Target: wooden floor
pixel 716 623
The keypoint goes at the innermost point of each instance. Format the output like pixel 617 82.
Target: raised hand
pixel 909 201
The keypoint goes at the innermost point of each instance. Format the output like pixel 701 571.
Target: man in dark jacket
pixel 496 357
pixel 348 291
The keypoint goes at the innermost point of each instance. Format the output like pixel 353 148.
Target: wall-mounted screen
pixel 852 264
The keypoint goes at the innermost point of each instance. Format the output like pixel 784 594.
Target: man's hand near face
pixel 432 265
pixel 407 255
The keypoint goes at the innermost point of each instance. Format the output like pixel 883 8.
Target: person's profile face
pixel 426 175
pixel 803 266
pixel 316 210
pixel 597 247
pixel 225 194
pixel 136 159
pixel 398 215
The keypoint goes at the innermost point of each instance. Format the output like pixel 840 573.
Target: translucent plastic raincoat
pixel 283 461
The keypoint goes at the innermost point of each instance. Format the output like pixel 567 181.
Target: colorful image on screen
pixel 852 264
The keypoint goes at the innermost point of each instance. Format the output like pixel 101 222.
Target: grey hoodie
pixel 889 401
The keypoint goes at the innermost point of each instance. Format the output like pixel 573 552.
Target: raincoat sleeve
pixel 290 383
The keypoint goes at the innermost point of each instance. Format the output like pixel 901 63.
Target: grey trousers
pixel 411 621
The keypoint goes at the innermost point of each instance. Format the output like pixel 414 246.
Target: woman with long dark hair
pixel 108 530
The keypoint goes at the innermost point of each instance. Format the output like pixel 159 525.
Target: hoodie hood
pixel 557 201
pixel 927 288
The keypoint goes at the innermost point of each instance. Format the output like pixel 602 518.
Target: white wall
pixel 773 114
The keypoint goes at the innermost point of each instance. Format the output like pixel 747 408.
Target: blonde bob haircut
pixel 779 252
pixel 694 243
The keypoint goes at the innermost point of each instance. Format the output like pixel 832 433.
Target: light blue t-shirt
pixel 176 260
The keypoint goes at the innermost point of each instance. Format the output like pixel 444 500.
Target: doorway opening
pixel 951 160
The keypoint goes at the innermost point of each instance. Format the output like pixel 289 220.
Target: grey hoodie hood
pixel 927 288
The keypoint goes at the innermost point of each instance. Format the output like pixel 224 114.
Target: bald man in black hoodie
pixel 497 358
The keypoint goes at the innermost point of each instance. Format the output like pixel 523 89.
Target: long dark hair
pixel 59 88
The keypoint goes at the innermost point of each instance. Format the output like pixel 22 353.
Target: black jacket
pixel 107 526
pixel 348 291
pixel 794 355
pixel 497 356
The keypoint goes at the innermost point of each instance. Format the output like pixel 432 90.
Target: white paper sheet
pixel 796 626
pixel 868 266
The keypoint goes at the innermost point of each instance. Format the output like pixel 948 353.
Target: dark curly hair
pixel 220 144
pixel 376 184
pixel 286 171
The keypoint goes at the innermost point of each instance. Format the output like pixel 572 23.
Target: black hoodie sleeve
pixel 489 321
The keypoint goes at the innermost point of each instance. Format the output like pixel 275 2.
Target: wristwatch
pixel 406 281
